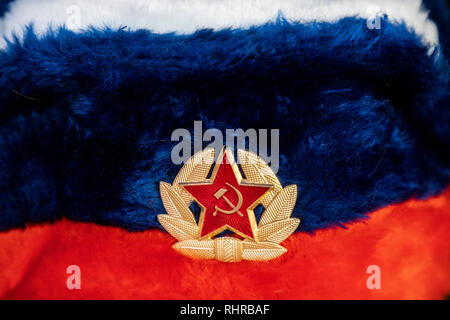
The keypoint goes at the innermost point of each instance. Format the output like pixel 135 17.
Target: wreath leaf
pixel 281 206
pixel 261 251
pixel 194 170
pixel 178 228
pixel 197 249
pixel 257 171
pixel 174 205
pixel 278 231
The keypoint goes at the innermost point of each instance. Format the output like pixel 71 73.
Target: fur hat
pixel 91 93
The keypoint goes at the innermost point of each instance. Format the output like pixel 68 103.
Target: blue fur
pixel 439 12
pixel 86 119
pixel 4 6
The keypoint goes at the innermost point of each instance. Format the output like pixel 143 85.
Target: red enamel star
pixel 226 201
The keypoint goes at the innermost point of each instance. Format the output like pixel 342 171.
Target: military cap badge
pixel 227 201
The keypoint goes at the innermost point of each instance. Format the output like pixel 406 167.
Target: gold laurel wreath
pixel 274 226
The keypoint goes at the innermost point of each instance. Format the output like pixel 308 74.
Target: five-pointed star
pixel 226 201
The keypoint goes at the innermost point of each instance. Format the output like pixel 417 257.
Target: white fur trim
pixel 186 16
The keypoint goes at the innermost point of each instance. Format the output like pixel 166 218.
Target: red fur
pixel 410 243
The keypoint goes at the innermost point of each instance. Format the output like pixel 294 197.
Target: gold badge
pixel 227 201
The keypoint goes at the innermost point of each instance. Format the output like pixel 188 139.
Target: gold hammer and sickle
pixel 220 194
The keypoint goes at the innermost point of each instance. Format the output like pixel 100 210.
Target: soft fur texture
pixel 86 119
pixel 187 16
pixel 440 13
pixel 409 242
pixel 4 6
